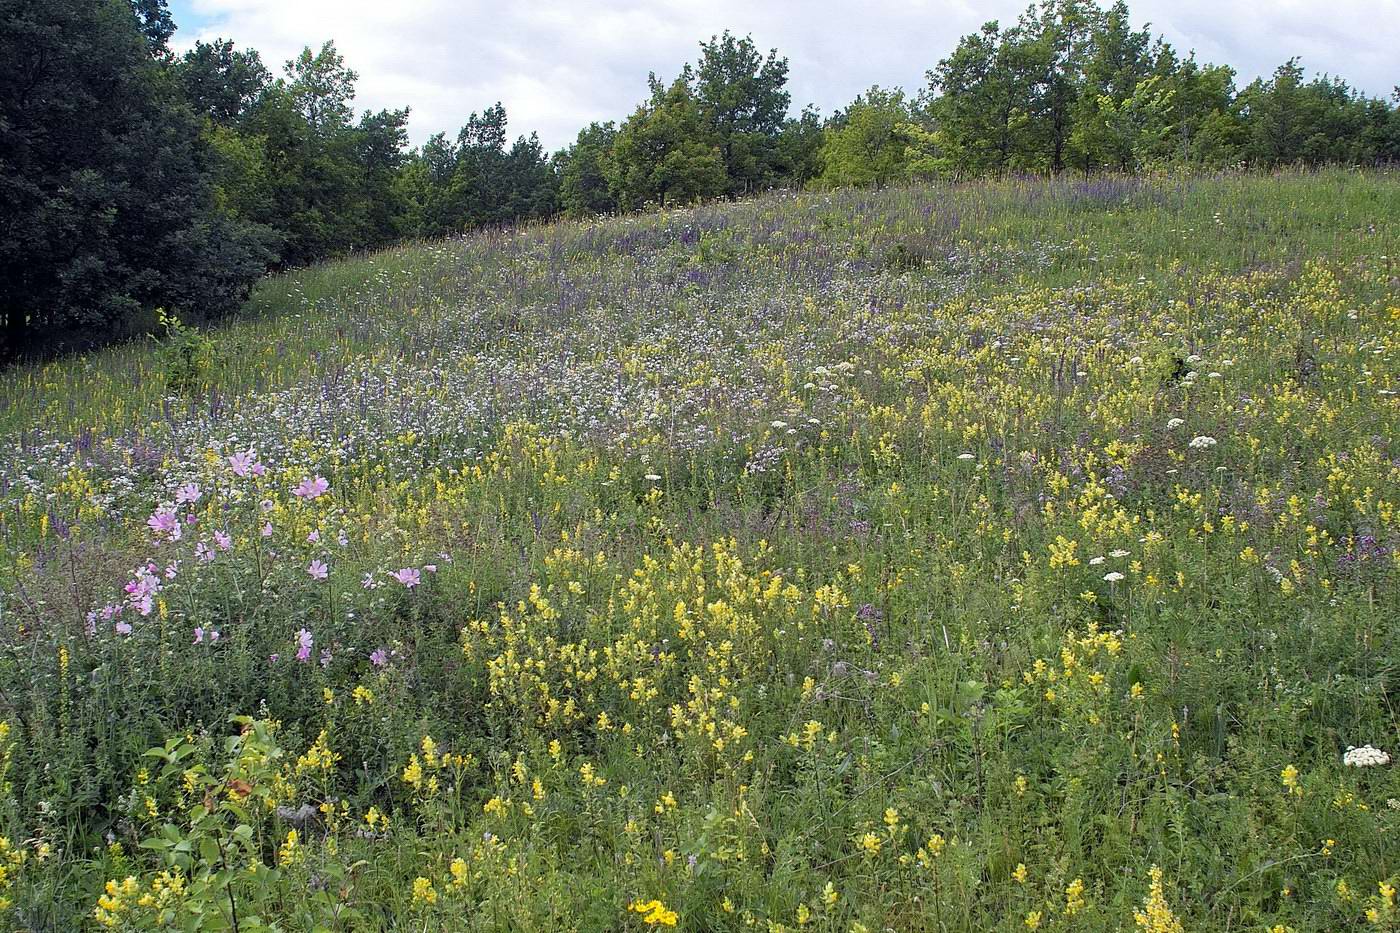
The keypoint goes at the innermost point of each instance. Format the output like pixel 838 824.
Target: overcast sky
pixel 558 65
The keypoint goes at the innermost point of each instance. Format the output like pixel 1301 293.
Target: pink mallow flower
pixel 190 492
pixel 246 462
pixel 224 541
pixel 318 570
pixel 304 643
pixel 408 576
pixel 164 522
pixel 309 488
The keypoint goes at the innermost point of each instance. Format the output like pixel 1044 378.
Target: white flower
pixel 653 477
pixel 778 425
pixel 967 457
pixel 1095 561
pixel 1202 442
pixel 1118 552
pixel 1113 576
pixel 1175 423
pixel 1193 358
pixel 1364 757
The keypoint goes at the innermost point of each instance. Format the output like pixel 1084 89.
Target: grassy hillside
pixel 1018 555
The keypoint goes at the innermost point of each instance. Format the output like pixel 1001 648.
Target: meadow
pixel 1012 555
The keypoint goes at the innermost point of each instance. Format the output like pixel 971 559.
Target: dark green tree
pixel 583 181
pixel 105 181
pixel 666 153
pixel 221 82
pixel 742 95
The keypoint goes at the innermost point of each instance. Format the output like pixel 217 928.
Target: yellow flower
pixel 1033 920
pixel 1289 777
pixel 654 913
pixel 1074 897
pixel 413 772
pixel 1156 915
pixel 290 852
pixel 1020 874
pixel 423 891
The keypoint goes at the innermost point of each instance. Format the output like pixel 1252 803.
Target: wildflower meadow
pixel 1011 555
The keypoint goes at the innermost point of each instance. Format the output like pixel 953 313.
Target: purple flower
pixel 189 492
pixel 123 628
pixel 241 463
pixel 379 657
pixel 198 634
pixel 309 488
pixel 164 522
pixel 318 570
pixel 313 537
pixel 304 642
pixel 408 576
pixel 204 552
pixel 267 529
pixel 224 541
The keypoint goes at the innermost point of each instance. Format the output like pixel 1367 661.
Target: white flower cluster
pixel 1364 757
pixel 1202 442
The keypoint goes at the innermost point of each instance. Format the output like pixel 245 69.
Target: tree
pixel 583 182
pixel 321 88
pixel 666 152
pixel 798 146
pixel 1058 41
pixel 1117 62
pixel 869 143
pixel 980 98
pixel 741 96
pixel 105 181
pixel 222 83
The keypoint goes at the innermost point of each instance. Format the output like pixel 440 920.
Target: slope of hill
pixel 1018 555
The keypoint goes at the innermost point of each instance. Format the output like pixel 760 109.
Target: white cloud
pixel 556 66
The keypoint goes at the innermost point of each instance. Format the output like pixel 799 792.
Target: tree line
pixel 133 178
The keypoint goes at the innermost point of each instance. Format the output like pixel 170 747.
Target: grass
pixel 1012 555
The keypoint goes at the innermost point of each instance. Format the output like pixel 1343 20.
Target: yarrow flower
pixel 1364 757
pixel 1202 442
pixel 1113 576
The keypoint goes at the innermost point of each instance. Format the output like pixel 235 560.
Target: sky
pixel 558 66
